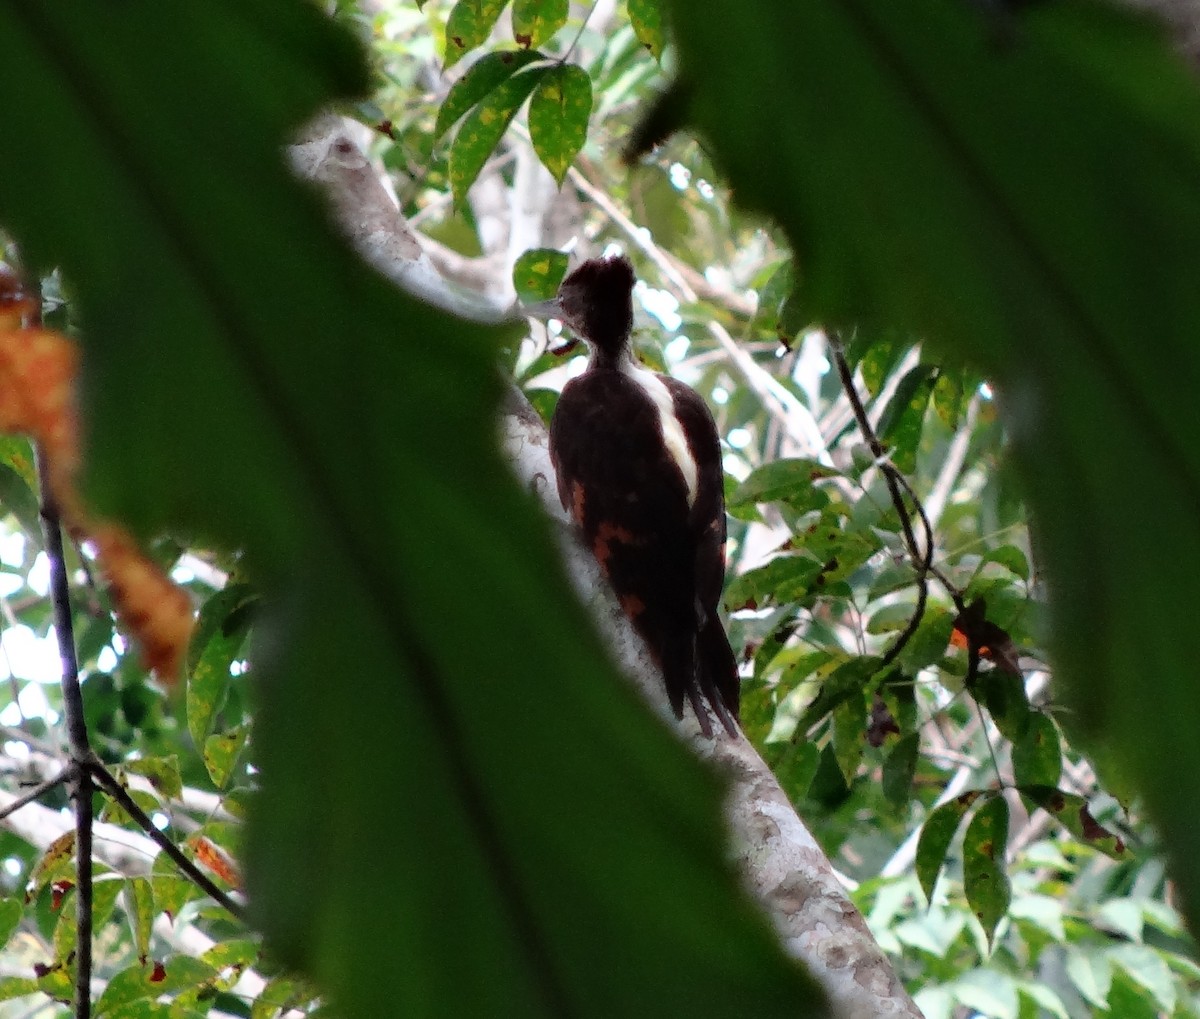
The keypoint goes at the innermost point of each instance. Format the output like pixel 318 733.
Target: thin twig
pixel 579 35
pixel 36 793
pixel 876 447
pixel 108 782
pixel 77 738
pixel 76 723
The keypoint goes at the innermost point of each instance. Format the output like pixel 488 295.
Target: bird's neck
pixel 611 356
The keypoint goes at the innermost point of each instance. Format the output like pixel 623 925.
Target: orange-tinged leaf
pixel 157 611
pixel 38 369
pixel 217 860
pixel 53 861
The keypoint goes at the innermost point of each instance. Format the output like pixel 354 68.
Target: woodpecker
pixel 638 464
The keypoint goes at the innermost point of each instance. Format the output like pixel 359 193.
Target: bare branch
pixel 36 793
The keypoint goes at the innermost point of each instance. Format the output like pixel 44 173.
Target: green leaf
pixel 891 618
pixel 162 773
pixel 903 418
pixel 948 397
pixel 486 74
pixel 900 767
pixel 58 982
pixel 1011 558
pixel 18 498
pixel 287 413
pixel 221 751
pixel 558 117
pixel 216 643
pixel 796 768
pixel 538 272
pixel 1148 969
pixel 223 614
pixel 930 641
pixel 1073 813
pixel 1037 755
pixel 1004 696
pixel 146 1009
pixel 534 22
pixel 485 125
pixel 17 987
pixel 134 983
pixel 281 995
pixel 784 579
pixel 141 913
pixel 646 18
pixel 232 956
pixel 11 912
pixel 1091 974
pixel 965 193
pixel 985 878
pixel 469 25
pixel 936 835
pixel 791 480
pixel 850 734
pixel 771 298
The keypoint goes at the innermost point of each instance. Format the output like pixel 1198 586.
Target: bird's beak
pixel 543 311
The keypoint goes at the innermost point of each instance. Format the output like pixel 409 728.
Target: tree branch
pixel 781 861
pixel 107 781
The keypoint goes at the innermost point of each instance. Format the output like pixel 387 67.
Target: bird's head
pixel 596 301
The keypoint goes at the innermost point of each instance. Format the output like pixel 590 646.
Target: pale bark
pixel 779 858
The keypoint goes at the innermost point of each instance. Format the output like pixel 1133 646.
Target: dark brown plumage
pixel 638 463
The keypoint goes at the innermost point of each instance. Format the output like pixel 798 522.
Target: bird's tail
pixel 717 673
pixel 702 669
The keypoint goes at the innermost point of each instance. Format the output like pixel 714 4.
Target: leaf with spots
pixel 161 772
pixel 647 21
pixel 538 272
pixel 790 480
pixel 1037 755
pixel 902 420
pixel 948 396
pixel 984 878
pixel 936 835
pixel 1073 813
pixel 558 117
pixel 469 25
pixel 221 751
pixel 534 22
pixel 220 633
pixel 487 73
pixel 483 128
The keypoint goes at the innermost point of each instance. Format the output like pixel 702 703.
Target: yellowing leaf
pixel 558 117
pixel 646 18
pixel 469 25
pixel 535 21
pixel 483 128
